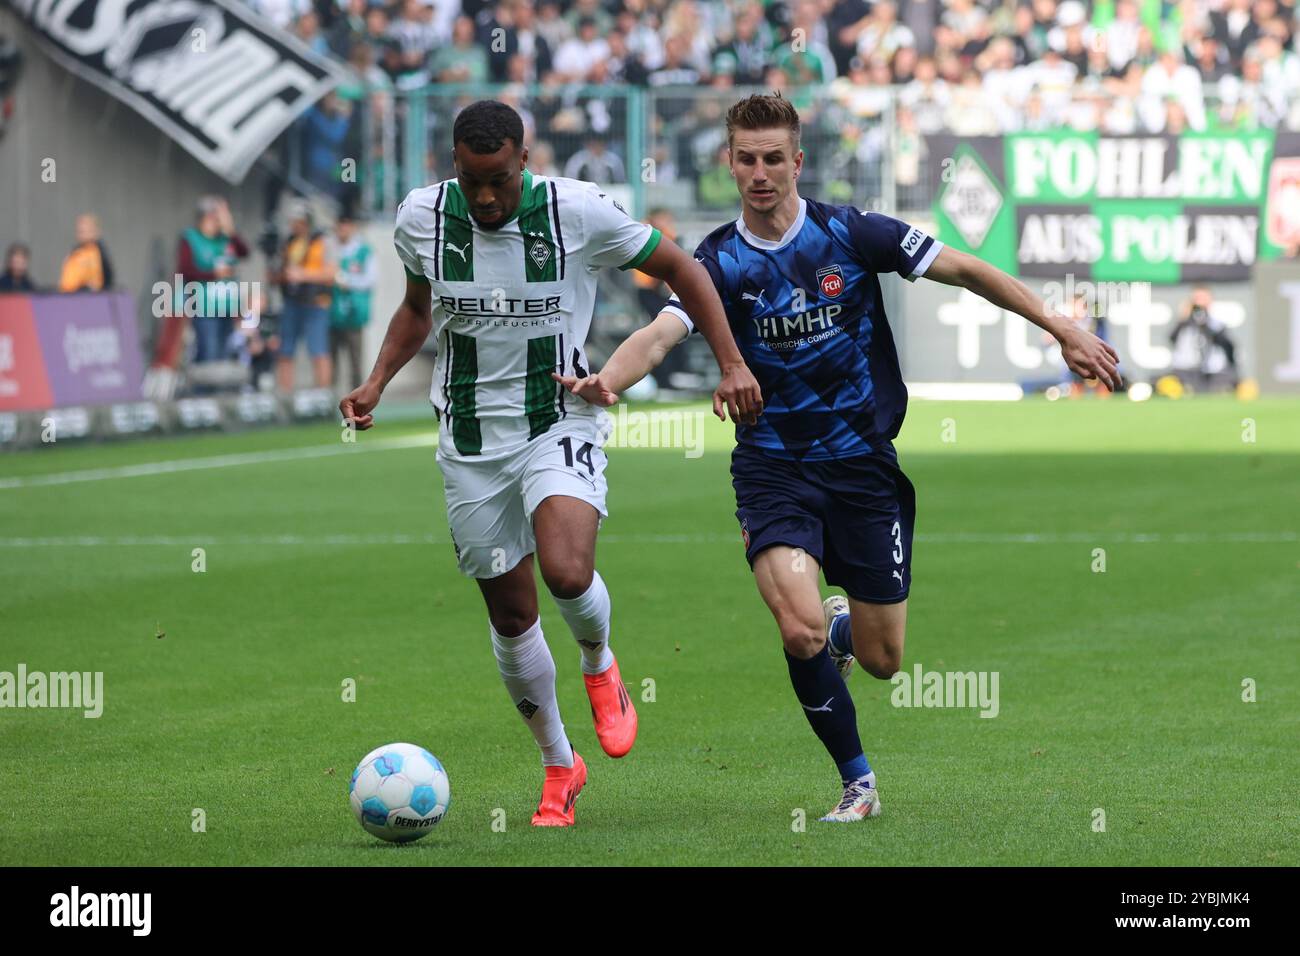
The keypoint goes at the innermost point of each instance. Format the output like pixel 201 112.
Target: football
pixel 399 792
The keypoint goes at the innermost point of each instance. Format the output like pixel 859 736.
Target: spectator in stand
pixel 16 277
pixel 902 66
pixel 522 39
pixel 927 96
pixel 416 34
pixel 1235 28
pixel 581 10
pixel 1280 68
pixel 1054 79
pixel 307 29
pixel 307 282
pixel 675 71
pixel 377 29
pixel 883 33
pixel 207 254
pixel 622 67
pixel 541 158
pixel 1211 59
pixel 350 27
pixel 1250 101
pixel 969 111
pixel 551 26
pixel 1120 36
pixel 1003 82
pixel 844 24
pixel 325 130
pixel 1032 26
pixel 716 187
pixel 1121 116
pixel 577 58
pixel 643 40
pixel 87 268
pixel 1170 78
pixel 281 13
pixel 809 61
pixel 1073 49
pixel 595 163
pixel 463 60
pixel 350 307
pixel 745 58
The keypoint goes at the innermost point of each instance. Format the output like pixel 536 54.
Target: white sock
pixel 528 671
pixel 588 618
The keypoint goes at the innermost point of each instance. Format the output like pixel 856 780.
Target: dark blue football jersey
pixel 807 314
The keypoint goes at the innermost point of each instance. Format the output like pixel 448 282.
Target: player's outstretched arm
pixel 1084 353
pixel 738 391
pixel 410 326
pixel 632 361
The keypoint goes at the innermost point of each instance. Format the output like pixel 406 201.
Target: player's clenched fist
pixel 357 406
pixel 739 393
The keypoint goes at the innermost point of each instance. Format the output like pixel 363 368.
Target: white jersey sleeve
pixel 405 235
pixel 612 238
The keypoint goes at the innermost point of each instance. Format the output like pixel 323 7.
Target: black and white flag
pixel 209 73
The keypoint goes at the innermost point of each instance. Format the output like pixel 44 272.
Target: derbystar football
pixel 399 792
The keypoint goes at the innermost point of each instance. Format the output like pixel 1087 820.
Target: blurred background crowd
pixel 633 92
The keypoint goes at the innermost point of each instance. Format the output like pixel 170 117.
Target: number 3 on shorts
pixel 584 458
pixel 897 532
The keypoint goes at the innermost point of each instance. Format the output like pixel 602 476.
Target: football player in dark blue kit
pixel 817 481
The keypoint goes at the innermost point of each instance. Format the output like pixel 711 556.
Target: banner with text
pixel 210 74
pixel 1201 207
pixel 61 350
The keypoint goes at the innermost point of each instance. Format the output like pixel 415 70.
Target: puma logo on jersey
pixel 749 296
pixel 460 252
pixel 823 709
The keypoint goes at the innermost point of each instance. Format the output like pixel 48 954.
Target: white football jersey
pixel 514 304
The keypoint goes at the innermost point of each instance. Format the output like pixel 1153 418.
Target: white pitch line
pixel 217 461
pixel 360 540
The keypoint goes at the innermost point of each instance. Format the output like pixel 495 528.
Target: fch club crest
pixel 831 281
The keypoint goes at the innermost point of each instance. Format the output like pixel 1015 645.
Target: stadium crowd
pixel 967 67
pixel 980 66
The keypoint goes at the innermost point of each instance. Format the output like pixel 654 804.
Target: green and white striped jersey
pixel 514 304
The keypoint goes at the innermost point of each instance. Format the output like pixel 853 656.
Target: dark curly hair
pixel 486 125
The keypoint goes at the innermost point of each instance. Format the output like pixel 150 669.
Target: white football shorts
pixel 490 504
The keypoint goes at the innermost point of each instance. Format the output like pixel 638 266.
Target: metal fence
pixel 662 148
pixel 862 145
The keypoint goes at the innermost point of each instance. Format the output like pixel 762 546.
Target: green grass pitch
pixel 1120 691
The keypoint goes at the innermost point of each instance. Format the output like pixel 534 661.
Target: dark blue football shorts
pixel 854 515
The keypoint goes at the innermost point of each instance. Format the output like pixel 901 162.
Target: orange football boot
pixel 612 710
pixel 561 789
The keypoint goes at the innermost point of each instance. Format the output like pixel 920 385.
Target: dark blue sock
pixel 830 711
pixel 842 634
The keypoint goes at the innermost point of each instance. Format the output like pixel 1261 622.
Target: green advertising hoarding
pixel 1166 209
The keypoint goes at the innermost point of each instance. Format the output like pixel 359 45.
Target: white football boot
pixel 860 801
pixel 832 608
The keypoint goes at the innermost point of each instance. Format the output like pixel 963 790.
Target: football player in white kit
pixel 501 267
